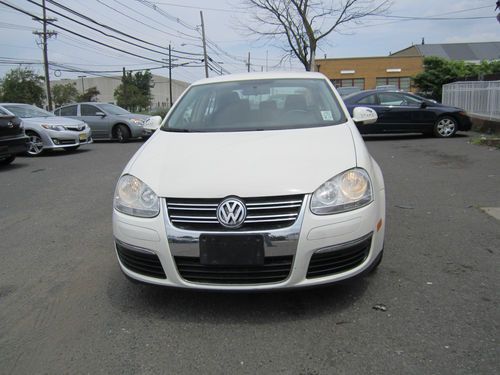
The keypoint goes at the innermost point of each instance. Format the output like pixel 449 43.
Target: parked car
pixel 107 121
pixel 240 190
pixel 48 132
pixel 13 140
pixel 400 112
pixel 344 91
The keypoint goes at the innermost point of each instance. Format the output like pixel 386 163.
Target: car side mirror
pixel 423 105
pixel 364 116
pixel 102 114
pixel 153 122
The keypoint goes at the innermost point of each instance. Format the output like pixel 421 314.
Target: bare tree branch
pixel 301 24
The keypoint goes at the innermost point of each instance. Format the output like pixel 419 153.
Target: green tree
pixel 90 95
pixel 134 93
pixel 439 71
pixel 63 94
pixel 23 85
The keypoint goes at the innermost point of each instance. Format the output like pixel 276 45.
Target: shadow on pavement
pixel 16 164
pixel 234 307
pixel 396 137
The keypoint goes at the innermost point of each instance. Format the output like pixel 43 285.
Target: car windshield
pixel 268 104
pixel 112 109
pixel 27 111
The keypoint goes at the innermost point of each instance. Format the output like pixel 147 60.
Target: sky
pixel 177 22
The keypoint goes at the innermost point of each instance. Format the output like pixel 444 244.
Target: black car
pixel 13 141
pixel 402 112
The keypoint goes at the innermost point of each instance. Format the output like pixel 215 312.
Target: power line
pixel 109 28
pixel 80 35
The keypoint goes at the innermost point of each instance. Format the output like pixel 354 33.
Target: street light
pixel 83 87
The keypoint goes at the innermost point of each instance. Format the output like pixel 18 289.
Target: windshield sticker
pixel 327 115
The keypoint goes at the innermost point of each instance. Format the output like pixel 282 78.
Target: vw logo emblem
pixel 231 212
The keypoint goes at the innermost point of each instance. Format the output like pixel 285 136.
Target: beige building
pixel 369 72
pixel 107 86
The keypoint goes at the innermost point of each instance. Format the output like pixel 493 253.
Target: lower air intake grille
pixel 273 270
pixel 339 259
pixel 140 262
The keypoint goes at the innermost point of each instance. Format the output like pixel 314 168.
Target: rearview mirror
pixel 364 116
pixel 153 122
pixel 423 105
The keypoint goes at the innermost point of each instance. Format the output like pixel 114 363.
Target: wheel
pixel 71 149
pixel 9 159
pixel 35 144
pixel 122 133
pixel 445 127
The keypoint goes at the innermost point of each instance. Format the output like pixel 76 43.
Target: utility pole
pixel 44 36
pixel 124 83
pixel 267 58
pixel 248 63
pixel 205 58
pixel 83 86
pixel 170 73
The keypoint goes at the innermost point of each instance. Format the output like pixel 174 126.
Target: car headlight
pixel 134 197
pixel 347 191
pixel 53 127
pixel 136 121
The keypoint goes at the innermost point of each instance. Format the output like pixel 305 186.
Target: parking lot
pixel 432 306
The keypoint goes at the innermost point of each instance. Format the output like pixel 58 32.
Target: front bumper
pixel 13 145
pixel 315 250
pixel 60 139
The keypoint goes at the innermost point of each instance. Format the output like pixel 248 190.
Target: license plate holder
pixel 231 250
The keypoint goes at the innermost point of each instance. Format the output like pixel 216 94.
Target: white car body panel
pixel 246 164
pixel 255 164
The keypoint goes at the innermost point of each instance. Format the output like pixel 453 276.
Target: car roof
pixel 260 76
pixel 19 104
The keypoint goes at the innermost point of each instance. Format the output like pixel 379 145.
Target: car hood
pixel 136 116
pixel 246 164
pixel 55 120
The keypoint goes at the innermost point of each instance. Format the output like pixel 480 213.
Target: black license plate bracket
pixel 231 250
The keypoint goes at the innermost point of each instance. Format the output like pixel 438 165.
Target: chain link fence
pixel 481 98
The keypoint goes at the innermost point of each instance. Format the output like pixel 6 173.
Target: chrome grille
pixel 262 213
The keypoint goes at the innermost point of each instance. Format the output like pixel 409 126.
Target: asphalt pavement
pixel 431 308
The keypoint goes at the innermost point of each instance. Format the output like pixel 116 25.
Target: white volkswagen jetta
pixel 254 181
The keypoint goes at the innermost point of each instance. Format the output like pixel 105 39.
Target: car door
pixel 396 113
pixel 423 117
pixel 97 122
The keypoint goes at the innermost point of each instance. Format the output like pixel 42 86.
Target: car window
pixel 268 104
pixel 387 98
pixel 2 112
pixel 88 110
pixel 67 111
pixel 27 111
pixel 412 100
pixel 370 99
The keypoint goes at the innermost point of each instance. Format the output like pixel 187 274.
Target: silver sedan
pixel 48 132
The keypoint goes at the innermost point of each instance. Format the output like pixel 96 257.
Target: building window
pixel 402 83
pixel 350 82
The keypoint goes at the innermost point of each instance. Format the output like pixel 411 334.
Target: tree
pixel 134 93
pixel 439 71
pixel 300 24
pixel 90 95
pixel 63 94
pixel 23 85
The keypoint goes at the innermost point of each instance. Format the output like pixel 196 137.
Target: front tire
pixel 35 144
pixel 122 133
pixel 7 160
pixel 445 127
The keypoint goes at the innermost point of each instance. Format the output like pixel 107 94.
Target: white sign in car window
pixel 327 115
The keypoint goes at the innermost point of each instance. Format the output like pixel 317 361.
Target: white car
pixel 46 131
pixel 255 181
